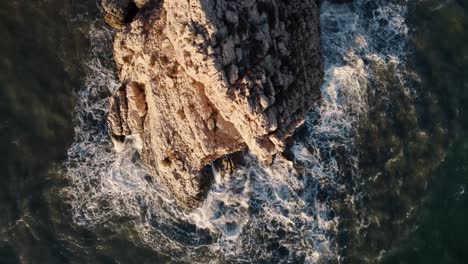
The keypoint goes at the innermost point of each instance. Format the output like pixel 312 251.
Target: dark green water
pixel 36 127
pixel 43 47
pixel 440 233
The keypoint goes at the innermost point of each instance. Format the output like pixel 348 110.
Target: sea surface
pixel 377 174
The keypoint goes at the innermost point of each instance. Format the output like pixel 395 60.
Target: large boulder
pixel 205 78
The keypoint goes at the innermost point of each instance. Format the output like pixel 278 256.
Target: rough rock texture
pixel 205 78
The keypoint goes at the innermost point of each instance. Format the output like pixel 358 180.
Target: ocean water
pixel 377 174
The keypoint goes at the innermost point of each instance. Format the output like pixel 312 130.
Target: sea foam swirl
pixel 287 212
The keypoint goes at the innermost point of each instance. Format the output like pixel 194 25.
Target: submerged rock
pixel 205 78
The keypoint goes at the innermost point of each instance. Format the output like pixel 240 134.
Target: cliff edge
pixel 205 78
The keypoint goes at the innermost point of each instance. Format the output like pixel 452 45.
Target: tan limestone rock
pixel 205 78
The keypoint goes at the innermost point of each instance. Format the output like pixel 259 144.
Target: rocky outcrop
pixel 205 78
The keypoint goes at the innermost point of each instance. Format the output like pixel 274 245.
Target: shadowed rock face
pixel 205 78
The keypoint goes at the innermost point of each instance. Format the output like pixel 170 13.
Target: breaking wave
pixel 290 211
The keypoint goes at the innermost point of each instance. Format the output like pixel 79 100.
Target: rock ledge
pixel 205 78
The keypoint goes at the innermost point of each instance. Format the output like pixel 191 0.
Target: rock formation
pixel 205 78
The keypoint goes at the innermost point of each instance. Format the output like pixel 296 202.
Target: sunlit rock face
pixel 205 78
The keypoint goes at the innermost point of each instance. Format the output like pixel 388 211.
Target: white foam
pixel 257 210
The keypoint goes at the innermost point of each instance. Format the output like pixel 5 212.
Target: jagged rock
pixel 141 3
pixel 127 110
pixel 118 13
pixel 218 77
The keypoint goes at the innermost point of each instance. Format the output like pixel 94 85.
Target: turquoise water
pixel 378 175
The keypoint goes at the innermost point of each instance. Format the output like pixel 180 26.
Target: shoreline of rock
pixel 206 78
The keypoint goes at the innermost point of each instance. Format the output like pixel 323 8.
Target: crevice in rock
pixel 131 12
